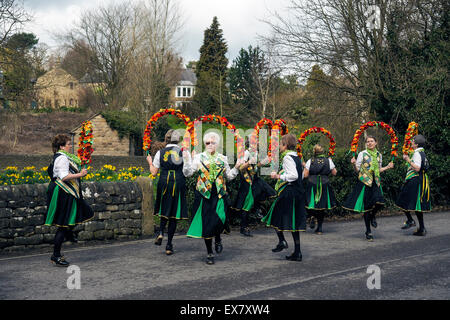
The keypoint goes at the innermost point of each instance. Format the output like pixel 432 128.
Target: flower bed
pixel 31 175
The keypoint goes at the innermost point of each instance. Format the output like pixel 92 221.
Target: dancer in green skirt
pixel 211 198
pixel 65 205
pixel 367 195
pixel 415 193
pixel 319 194
pixel 287 213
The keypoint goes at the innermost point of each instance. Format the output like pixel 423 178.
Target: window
pixel 178 92
pixel 71 85
pixel 71 102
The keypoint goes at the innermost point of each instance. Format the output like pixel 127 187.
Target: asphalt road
pixel 334 266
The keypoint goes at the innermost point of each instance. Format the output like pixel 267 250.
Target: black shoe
pixel 408 224
pixel 280 246
pixel 246 232
pixel 369 237
pixel 373 222
pixel 59 261
pixel 159 239
pixel 218 246
pixel 294 257
pixel 169 249
pixel 210 259
pixel 259 214
pixel 312 223
pixel 420 233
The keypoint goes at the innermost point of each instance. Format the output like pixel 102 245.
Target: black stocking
pixel 208 243
pixel 162 225
pixel 296 236
pixel 280 236
pixel 367 221
pixel 171 230
pixel 420 218
pixel 58 241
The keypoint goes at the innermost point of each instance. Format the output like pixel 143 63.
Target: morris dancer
pixel 65 205
pixel 319 194
pixel 252 190
pixel 415 193
pixel 287 213
pixel 211 197
pixel 170 204
pixel 367 196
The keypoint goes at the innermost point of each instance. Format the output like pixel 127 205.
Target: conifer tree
pixel 211 91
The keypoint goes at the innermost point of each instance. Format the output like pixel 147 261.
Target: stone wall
pixel 122 212
pixel 106 140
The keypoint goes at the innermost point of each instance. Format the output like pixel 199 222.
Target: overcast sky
pixel 239 20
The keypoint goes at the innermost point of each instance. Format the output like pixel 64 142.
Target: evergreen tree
pixel 211 92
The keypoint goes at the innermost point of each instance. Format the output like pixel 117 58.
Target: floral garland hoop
pixel 239 141
pixel 155 118
pixel 413 130
pixel 85 143
pixel 279 126
pixel 254 137
pixel 386 127
pixel 331 149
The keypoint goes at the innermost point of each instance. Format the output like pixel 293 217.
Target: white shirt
pixel 61 166
pixel 157 162
pixel 360 160
pixel 308 164
pixel 196 164
pixel 290 168
pixel 416 158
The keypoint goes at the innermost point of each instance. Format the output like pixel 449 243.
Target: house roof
pixel 188 77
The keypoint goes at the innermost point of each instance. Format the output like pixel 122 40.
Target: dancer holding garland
pixel 319 194
pixel 415 193
pixel 65 205
pixel 170 204
pixel 252 189
pixel 367 195
pixel 287 213
pixel 211 198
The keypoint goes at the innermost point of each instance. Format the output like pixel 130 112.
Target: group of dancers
pixel 293 201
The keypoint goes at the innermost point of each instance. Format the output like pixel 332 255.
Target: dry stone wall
pixel 117 206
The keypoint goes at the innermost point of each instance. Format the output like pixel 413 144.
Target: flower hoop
pixel 254 137
pixel 280 127
pixel 155 118
pixel 239 141
pixel 325 132
pixel 85 143
pixel 413 130
pixel 386 127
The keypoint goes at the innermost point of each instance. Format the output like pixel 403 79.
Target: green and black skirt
pixel 247 196
pixel 364 198
pixel 415 195
pixel 320 197
pixel 210 215
pixel 170 200
pixel 288 212
pixel 64 209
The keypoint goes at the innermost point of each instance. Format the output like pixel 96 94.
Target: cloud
pixel 239 20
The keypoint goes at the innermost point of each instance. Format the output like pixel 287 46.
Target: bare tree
pixel 357 41
pixel 12 16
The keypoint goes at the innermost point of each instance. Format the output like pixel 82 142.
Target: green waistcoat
pixel 367 176
pixel 206 179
